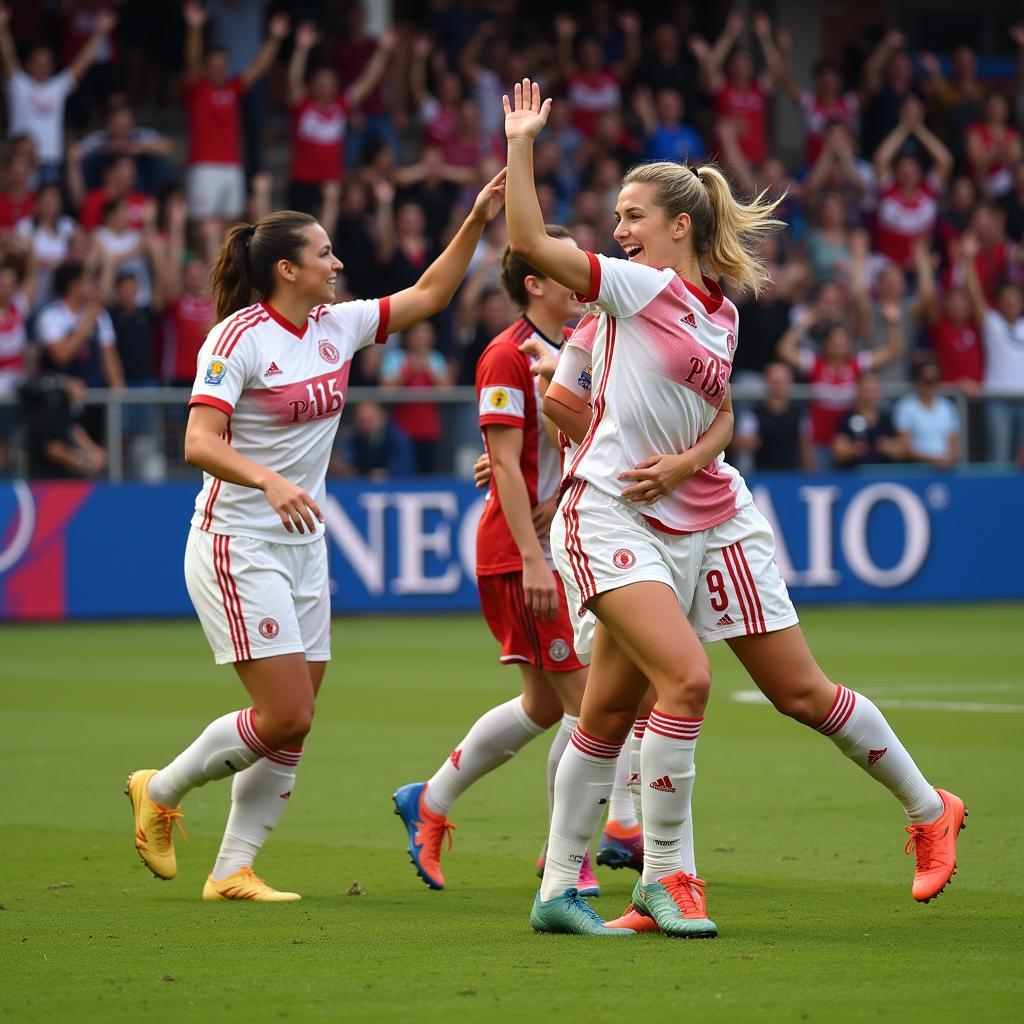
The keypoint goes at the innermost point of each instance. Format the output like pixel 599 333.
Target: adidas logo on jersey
pixel 663 785
pixel 725 620
pixel 690 320
pixel 272 370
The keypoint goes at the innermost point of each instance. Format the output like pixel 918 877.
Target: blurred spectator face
pixel 892 283
pixel 778 382
pixel 323 86
pixel 587 205
pixel 962 196
pixel 546 158
pixel 356 200
pixel 986 225
pixel 608 173
pixel 24 146
pixel 591 56
pixel 117 219
pixel 40 64
pixel 830 303
pixel 669 106
pixel 740 68
pixel 19 170
pixel 666 42
pixel 121 176
pixel 494 313
pixel 194 277
pixel 120 123
pixel 869 391
pixel 836 346
pixel 433 161
pixel 899 72
pixel 828 83
pixel 8 285
pixel 908 173
pixel 419 340
pixel 1010 302
pixel 49 205
pixel 449 89
pixel 833 212
pixel 965 64
pixel 926 380
pixel 772 175
pixel 609 129
pixel 409 220
pixel 957 306
pixel 560 119
pixel 585 235
pixel 997 109
pixel 217 67
pixel 468 118
pixel 369 418
pixel 127 291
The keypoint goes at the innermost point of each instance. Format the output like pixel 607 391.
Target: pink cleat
pixel 589 885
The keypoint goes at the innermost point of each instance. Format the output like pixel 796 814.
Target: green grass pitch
pixel 802 853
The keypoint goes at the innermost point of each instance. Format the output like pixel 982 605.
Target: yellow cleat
pixel 154 826
pixel 245 884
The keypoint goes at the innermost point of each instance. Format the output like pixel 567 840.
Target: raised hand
pixel 307 36
pixel 106 22
pixel 526 115
pixel 388 40
pixel 280 25
pixel 491 198
pixel 195 14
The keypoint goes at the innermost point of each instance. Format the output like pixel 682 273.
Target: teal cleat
pixel 569 914
pixel 677 902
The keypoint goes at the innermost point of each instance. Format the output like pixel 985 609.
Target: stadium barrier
pixel 72 550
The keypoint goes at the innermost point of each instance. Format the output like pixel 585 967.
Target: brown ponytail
pixel 726 233
pixel 244 268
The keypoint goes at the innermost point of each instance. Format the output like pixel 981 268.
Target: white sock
pixel 495 737
pixel 259 796
pixel 558 744
pixel 621 810
pixel 667 771
pixel 227 745
pixel 583 785
pixel 861 732
pixel 636 791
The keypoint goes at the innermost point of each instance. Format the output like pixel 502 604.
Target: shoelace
pixel 436 831
pixel 582 909
pixel 922 844
pixel 168 817
pixel 678 886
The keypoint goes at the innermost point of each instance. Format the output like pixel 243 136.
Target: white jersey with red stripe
pixel 659 361
pixel 283 389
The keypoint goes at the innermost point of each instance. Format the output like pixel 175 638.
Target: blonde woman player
pixel 687 557
pixel 271 383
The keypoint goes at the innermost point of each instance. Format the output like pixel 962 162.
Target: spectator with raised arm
pixel 994 147
pixel 47 235
pixel 216 177
pixel 36 96
pixel 959 99
pixel 666 64
pixel 887 83
pixel 840 168
pixel 668 136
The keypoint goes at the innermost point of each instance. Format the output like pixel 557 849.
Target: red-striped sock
pixel 636 791
pixel 861 732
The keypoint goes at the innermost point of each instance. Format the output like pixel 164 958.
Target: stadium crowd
pixel 902 263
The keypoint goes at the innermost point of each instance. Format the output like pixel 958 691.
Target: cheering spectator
pixel 776 430
pixel 15 300
pixel 840 169
pixel 865 435
pixel 828 240
pixel 437 111
pixel 669 66
pixel 417 365
pixel 216 179
pixel 668 137
pixel 434 186
pixel 121 137
pixel 993 147
pixel 403 249
pixel 36 97
pixel 118 183
pixel 48 235
pixel 888 83
pixel 374 449
pixel 929 428
pixel 960 99
pixel 17 200
pixel 908 199
pixel 116 248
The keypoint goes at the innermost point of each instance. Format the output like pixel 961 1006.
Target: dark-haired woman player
pixel 270 384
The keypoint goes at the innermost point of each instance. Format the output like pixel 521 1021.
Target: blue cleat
pixel 569 914
pixel 427 832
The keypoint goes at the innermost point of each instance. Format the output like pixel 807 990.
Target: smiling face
pixel 316 276
pixel 646 235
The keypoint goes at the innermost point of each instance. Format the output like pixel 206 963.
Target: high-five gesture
pixel 526 115
pixel 491 198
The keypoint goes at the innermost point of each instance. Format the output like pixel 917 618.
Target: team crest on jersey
pixel 730 343
pixel 215 371
pixel 559 650
pixel 624 559
pixel 499 398
pixel 269 628
pixel 690 320
pixel 586 379
pixel 328 352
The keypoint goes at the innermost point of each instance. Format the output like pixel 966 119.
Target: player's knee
pixel 293 724
pixel 801 702
pixel 687 687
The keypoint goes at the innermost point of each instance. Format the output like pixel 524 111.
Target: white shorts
pixel 215 190
pixel 256 599
pixel 725 577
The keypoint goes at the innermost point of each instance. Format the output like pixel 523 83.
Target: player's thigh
pixel 311 595
pixel 242 595
pixel 282 694
pixel 570 687
pixel 614 692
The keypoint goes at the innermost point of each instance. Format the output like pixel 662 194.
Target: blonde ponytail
pixel 727 234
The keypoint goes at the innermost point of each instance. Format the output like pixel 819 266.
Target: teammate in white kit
pixel 683 556
pixel 270 385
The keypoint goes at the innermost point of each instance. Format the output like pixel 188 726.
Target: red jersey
pixel 213 122
pixel 590 96
pixel 507 396
pixel 748 108
pixel 901 218
pixel 819 114
pixel 90 216
pixel 835 388
pixel 462 152
pixel 187 322
pixel 958 350
pixel 318 141
pixel 997 174
pixel 12 210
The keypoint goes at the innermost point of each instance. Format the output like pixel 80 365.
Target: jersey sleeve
pixel 574 374
pixel 105 333
pixel 51 326
pixel 503 380
pixel 221 379
pixel 368 319
pixel 620 287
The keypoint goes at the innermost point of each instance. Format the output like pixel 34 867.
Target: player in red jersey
pixel 680 557
pixel 521 595
pixel 271 383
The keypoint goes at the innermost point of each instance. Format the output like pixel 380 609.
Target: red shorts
pixel 543 643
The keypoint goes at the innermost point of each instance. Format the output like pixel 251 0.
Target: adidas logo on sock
pixel 874 756
pixel 272 370
pixel 455 757
pixel 725 620
pixel 634 779
pixel 286 796
pixel 663 785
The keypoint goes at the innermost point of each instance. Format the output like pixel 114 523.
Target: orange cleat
pixel 634 921
pixel 934 848
pixel 427 832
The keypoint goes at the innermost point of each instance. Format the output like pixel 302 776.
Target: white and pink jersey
pixel 283 390
pixel 658 358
